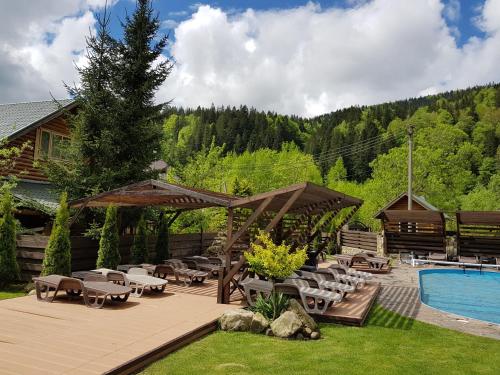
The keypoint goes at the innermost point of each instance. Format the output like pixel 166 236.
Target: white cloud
pixel 306 60
pixel 40 43
pixel 309 60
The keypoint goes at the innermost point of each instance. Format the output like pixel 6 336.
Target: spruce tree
pixel 9 269
pixel 57 258
pixel 139 253
pixel 162 240
pixel 137 78
pixel 109 250
pixel 90 163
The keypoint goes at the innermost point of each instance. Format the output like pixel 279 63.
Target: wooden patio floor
pixel 66 337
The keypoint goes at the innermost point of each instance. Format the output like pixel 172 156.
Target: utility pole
pixel 410 166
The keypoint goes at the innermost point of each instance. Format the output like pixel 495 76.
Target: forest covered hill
pixel 358 150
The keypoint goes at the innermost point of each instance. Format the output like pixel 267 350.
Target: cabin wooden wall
pixel 24 163
pixel 30 250
pixel 402 204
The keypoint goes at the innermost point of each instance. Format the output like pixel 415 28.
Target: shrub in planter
pixel 274 261
pixel 139 253
pixel 57 259
pixel 9 269
pixel 109 250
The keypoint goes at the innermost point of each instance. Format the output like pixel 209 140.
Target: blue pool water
pixel 473 294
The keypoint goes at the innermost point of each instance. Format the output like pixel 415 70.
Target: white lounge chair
pixel 255 287
pixel 330 285
pixel 314 300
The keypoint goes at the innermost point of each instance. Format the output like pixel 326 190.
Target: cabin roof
pixel 416 198
pixel 18 118
pixel 37 195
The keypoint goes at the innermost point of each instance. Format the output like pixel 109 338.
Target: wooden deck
pixel 66 337
pixel 355 308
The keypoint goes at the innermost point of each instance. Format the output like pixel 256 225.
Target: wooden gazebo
pixel 298 214
pixel 478 233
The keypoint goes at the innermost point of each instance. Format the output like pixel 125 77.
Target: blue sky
pixel 287 56
pixel 463 18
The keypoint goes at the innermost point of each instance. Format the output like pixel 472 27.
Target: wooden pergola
pixel 156 193
pixel 298 214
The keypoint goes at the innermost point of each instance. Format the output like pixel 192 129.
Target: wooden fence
pixel 359 239
pixel 478 233
pixel 30 250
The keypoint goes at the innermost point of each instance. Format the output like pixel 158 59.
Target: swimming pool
pixel 472 294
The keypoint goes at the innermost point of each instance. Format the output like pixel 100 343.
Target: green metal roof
pixel 18 117
pixel 36 195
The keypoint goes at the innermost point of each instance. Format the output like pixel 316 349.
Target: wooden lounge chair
pixel 181 270
pixel 254 287
pixel 94 288
pixel 330 285
pixel 468 259
pixel 210 265
pixel 137 278
pixel 314 300
pixel 437 256
pixel 373 262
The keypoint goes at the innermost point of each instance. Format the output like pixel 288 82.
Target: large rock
pixel 287 325
pixel 236 320
pixel 304 317
pixel 259 323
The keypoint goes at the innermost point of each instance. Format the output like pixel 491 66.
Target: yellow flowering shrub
pixel 274 261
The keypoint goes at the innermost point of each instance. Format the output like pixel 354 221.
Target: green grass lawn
pixel 12 291
pixel 388 344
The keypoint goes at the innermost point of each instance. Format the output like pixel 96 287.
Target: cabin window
pixel 50 145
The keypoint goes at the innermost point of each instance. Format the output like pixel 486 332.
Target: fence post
pixel 201 240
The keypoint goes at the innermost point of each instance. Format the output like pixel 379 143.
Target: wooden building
pixel 421 231
pixel 42 128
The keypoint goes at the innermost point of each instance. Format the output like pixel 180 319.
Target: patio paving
pixel 400 293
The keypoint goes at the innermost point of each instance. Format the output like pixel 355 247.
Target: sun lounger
pixel 437 256
pixel 340 275
pixel 255 287
pixel 373 262
pixel 465 259
pixel 366 276
pixel 181 270
pixel 95 290
pixel 137 278
pixel 210 265
pixel 314 300
pixel 330 285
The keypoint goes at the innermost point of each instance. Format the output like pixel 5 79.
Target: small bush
pixel 109 250
pixel 139 253
pixel 162 240
pixel 271 307
pixel 274 261
pixel 57 258
pixel 9 269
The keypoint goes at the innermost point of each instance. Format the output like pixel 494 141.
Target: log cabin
pixel 42 128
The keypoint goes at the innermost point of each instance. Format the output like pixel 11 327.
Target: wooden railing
pixel 31 248
pixel 358 239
